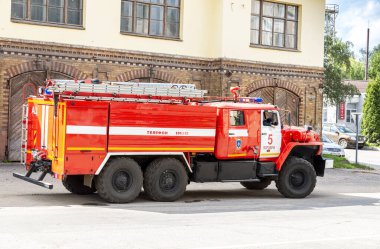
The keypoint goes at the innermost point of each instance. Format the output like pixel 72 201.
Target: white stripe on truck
pixel 139 131
pixel 86 130
pixel 238 133
pixel 157 131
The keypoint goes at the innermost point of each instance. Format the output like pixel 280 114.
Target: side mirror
pixel 337 132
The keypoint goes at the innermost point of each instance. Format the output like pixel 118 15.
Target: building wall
pixel 213 52
pixel 209 29
pixel 22 57
pixel 357 100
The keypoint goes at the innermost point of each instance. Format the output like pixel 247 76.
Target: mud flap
pixel 319 165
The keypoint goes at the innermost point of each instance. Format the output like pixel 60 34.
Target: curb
pixel 374 166
pixel 371 148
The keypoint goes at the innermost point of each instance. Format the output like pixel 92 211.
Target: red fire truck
pixel 115 138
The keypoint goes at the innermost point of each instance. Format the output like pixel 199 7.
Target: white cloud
pixel 353 19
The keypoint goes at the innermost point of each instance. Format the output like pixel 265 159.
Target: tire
pixel 165 179
pixel 257 185
pixel 343 143
pixel 297 178
pixel 120 181
pixel 74 184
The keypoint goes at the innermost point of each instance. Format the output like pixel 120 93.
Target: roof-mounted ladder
pixel 133 88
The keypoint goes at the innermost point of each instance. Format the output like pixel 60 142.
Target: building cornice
pixel 37 49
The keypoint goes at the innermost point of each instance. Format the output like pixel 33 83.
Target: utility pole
pixel 367 57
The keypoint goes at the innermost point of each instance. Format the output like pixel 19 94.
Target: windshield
pixel 344 129
pixel 326 139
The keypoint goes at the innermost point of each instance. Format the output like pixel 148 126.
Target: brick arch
pixel 42 66
pixel 256 85
pixel 145 73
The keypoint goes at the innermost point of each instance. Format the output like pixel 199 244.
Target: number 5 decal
pixel 270 139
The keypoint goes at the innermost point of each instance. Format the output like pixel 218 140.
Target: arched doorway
pixel 21 87
pixel 287 101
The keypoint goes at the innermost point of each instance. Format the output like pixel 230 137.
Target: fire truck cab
pixel 116 138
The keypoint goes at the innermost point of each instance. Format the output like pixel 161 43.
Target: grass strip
pixel 343 163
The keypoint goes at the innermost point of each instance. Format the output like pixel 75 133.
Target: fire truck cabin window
pixel 237 118
pixel 270 118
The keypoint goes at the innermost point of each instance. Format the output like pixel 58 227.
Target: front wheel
pixel 297 178
pixel 263 184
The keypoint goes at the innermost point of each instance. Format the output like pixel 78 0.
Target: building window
pixel 68 12
pixel 151 17
pixel 274 24
pixel 350 108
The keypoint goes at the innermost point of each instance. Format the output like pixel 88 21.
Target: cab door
pixel 270 134
pixel 237 134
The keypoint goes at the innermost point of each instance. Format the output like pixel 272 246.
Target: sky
pixel 353 19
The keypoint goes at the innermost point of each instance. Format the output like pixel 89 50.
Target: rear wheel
pixel 297 178
pixel 74 184
pixel 257 185
pixel 165 179
pixel 120 181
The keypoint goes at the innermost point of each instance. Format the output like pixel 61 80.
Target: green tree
pixel 374 64
pixel 371 112
pixel 356 70
pixel 336 60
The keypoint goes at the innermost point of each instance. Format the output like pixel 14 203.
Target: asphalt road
pixel 342 212
pixel 366 157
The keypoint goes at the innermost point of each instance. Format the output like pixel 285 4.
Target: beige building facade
pixel 272 49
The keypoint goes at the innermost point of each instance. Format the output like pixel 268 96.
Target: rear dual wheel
pixel 120 181
pixel 165 179
pixel 75 184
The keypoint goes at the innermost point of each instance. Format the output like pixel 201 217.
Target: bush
pixel 371 112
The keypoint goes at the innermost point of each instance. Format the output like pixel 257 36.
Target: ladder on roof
pixel 24 133
pixel 133 88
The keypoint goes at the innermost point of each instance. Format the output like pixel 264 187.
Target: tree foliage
pixel 371 112
pixel 356 70
pixel 374 69
pixel 336 61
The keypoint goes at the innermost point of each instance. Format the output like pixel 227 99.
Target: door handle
pixel 263 133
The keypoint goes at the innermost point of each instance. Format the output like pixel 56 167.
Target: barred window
pixel 274 24
pixel 151 17
pixel 67 12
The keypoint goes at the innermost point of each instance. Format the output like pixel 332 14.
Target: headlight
pixel 353 138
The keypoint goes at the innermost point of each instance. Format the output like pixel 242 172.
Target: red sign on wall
pixel 342 110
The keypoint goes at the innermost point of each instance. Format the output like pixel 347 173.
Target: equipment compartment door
pixel 237 134
pixel 270 134
pixel 86 136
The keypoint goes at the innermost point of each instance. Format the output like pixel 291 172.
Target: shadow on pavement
pixel 196 201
